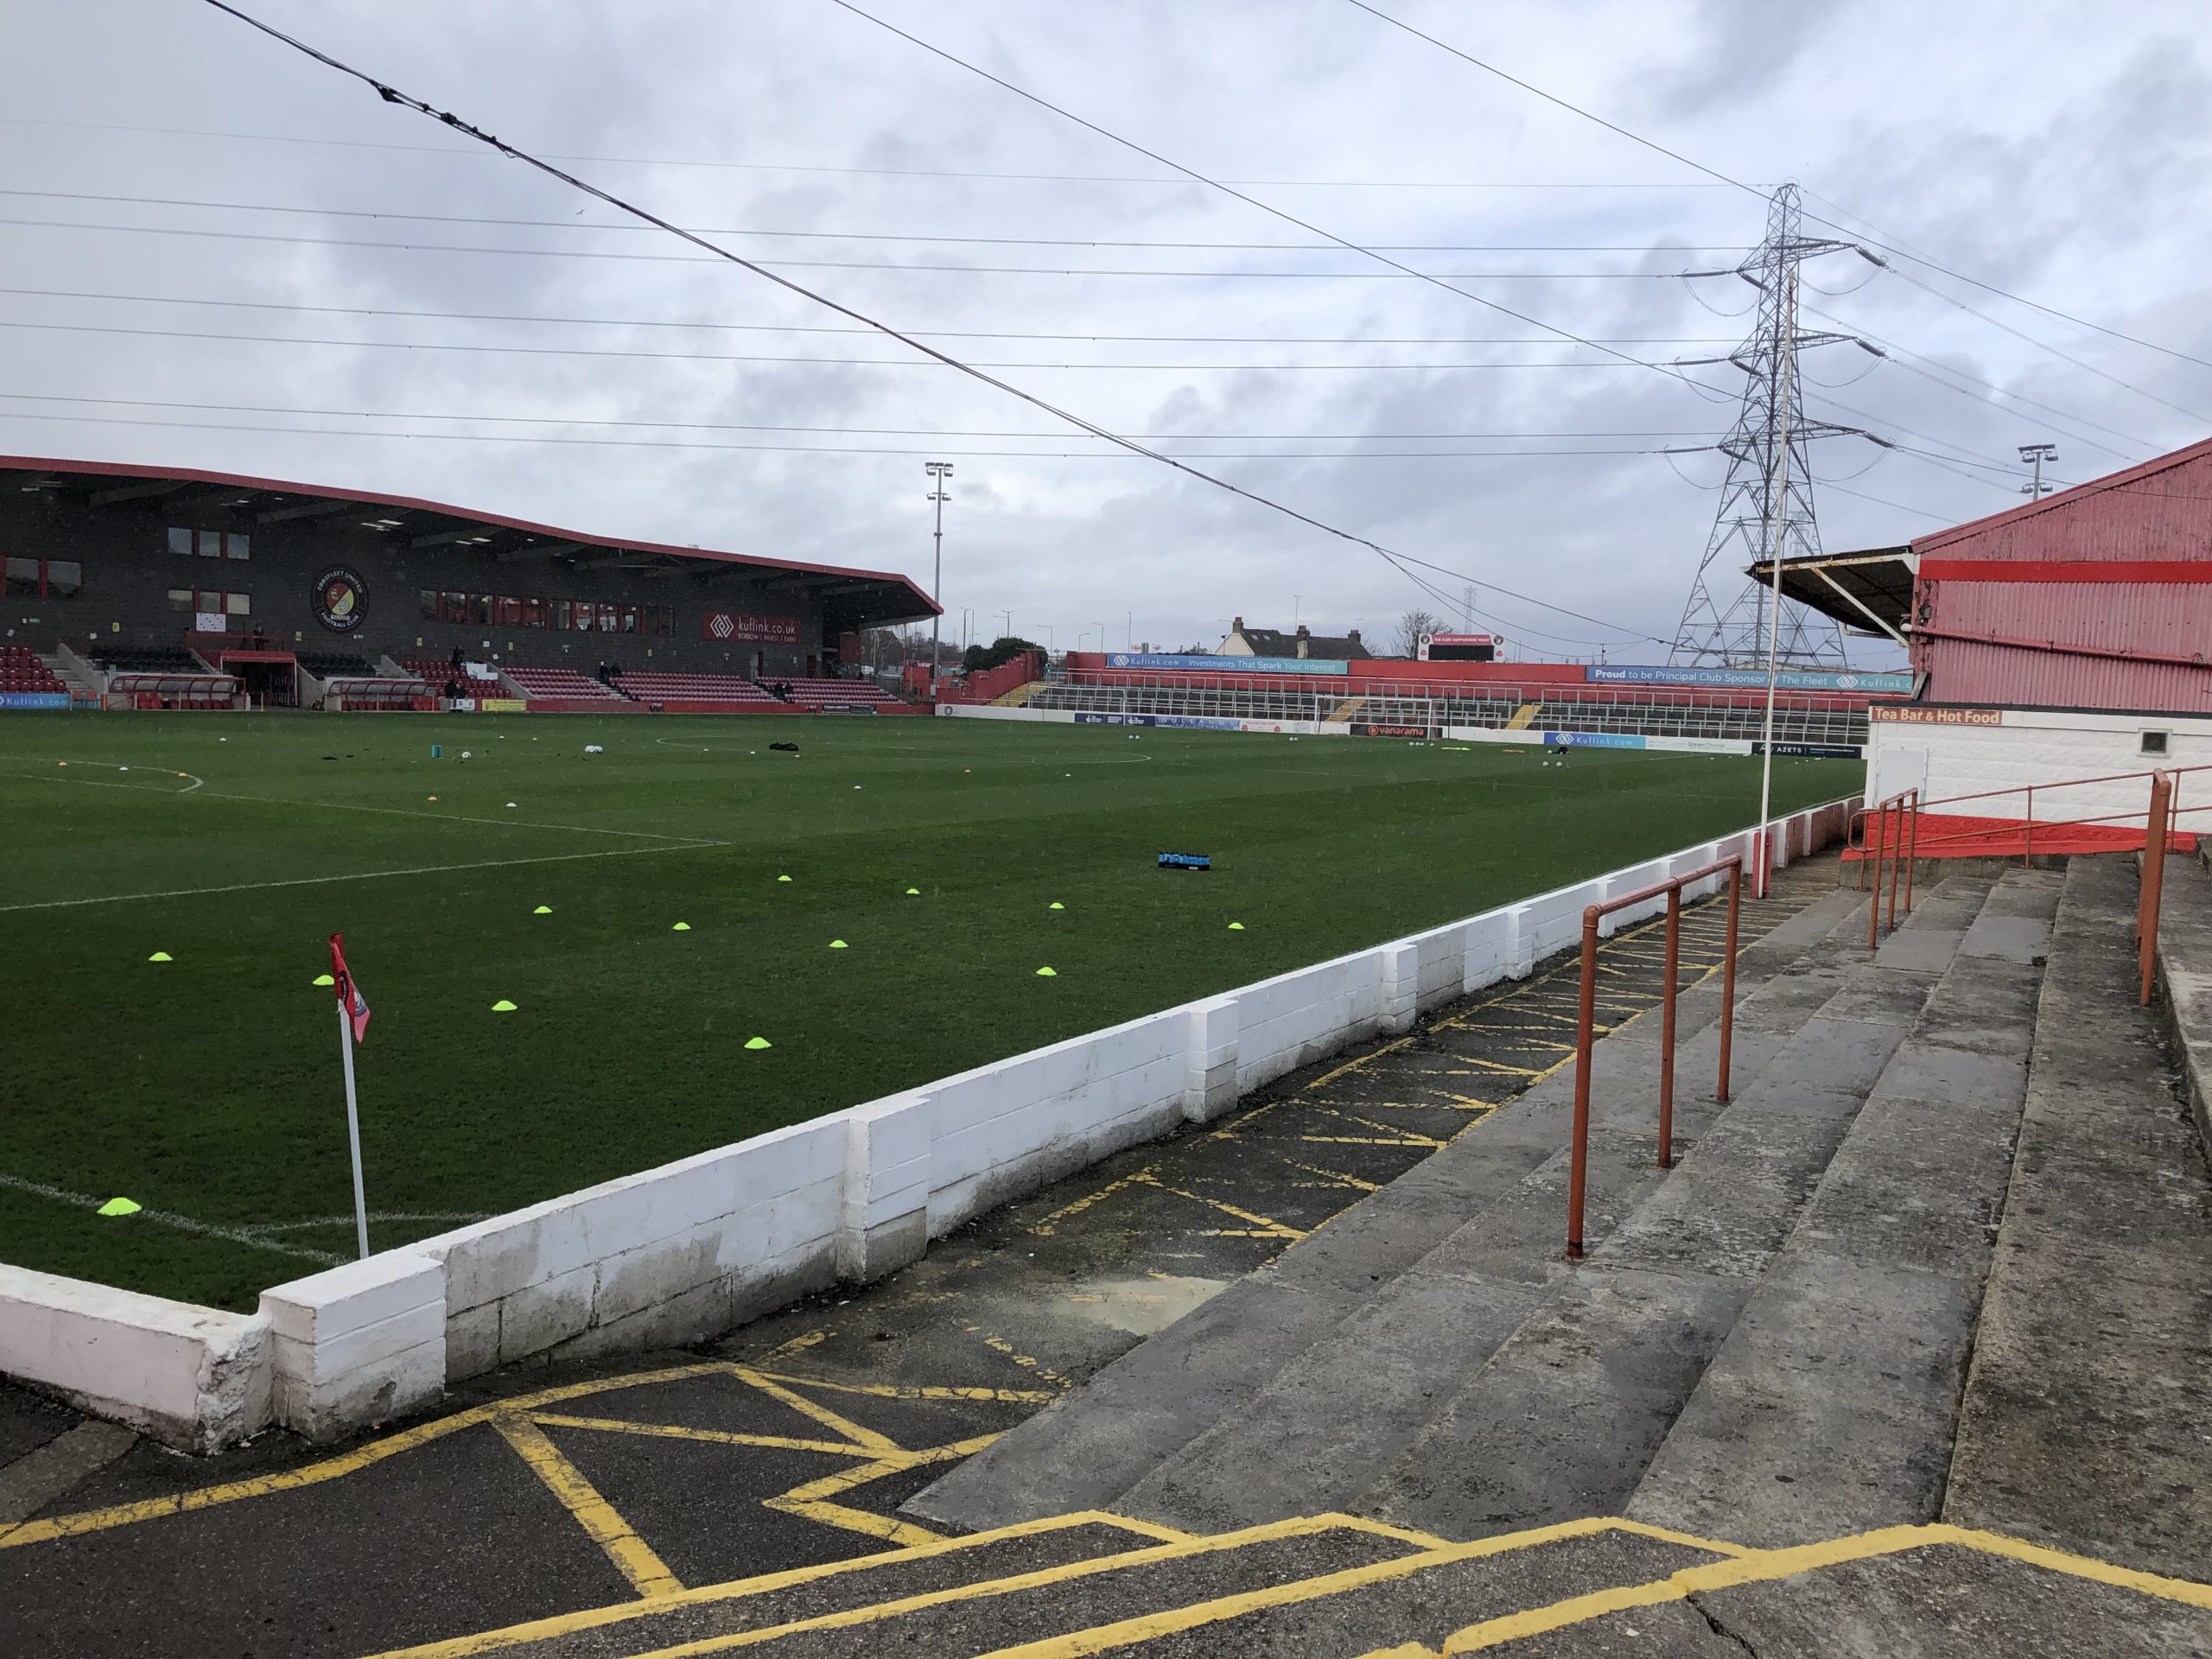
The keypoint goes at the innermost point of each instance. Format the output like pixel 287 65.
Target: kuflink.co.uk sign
pixel 1790 679
pixel 34 699
pixel 1229 664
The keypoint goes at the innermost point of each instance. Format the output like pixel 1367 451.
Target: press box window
pixel 44 578
pixel 2154 743
pixel 210 543
pixel 23 578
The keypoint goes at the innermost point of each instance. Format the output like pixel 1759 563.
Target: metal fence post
pixel 1585 1040
pixel 1667 1031
pixel 2153 883
pixel 1893 865
pixel 1912 846
pixel 1728 981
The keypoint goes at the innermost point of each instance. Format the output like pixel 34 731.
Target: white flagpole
pixel 354 1130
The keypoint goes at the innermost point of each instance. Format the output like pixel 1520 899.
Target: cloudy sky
pixel 220 254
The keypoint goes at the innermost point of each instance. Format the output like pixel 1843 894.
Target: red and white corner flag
pixel 356 1005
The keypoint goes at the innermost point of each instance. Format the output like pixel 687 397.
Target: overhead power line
pixel 603 227
pixel 392 95
pixel 1887 247
pixel 865 431
pixel 837 328
pixel 1226 188
pixel 496 349
pixel 1220 273
pixel 453 150
pixel 805 449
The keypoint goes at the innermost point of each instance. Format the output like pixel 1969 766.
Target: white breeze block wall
pixel 191 1377
pixel 667 1256
pixel 358 1344
pixel 1011 1126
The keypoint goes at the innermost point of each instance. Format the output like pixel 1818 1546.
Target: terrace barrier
pixel 1585 1024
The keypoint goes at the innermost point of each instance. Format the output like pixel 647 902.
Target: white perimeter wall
pixel 697 1247
pixel 2041 747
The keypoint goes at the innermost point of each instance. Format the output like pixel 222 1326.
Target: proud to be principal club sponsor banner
pixel 1229 664
pixel 744 628
pixel 1746 679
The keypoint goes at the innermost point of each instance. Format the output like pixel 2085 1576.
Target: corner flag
pixel 350 1003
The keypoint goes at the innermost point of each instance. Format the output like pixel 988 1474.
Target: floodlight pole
pixel 1778 511
pixel 939 471
pixel 2037 454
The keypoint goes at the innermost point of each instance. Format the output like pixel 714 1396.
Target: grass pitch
pixel 206 1088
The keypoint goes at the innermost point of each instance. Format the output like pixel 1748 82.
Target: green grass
pixel 207 1087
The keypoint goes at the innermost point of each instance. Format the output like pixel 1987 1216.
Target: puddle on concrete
pixel 1143 1307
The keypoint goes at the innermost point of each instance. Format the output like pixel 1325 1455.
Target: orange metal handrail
pixel 1906 803
pixel 1586 1028
pixel 2158 829
pixel 1858 820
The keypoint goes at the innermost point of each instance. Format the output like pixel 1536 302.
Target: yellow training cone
pixel 839 944
pixel 503 1007
pixel 758 1042
pixel 1055 905
pixel 1046 973
pixel 1236 927
pixel 913 892
pixel 543 910
pixel 324 979
pixel 783 878
pixel 160 956
pixel 681 927
pixel 119 1207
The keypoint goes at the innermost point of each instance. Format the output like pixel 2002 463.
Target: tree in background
pixel 1004 648
pixel 1411 627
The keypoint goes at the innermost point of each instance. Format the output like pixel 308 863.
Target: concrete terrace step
pixel 2086 1421
pixel 1832 1405
pixel 1563 1419
pixel 1090 1448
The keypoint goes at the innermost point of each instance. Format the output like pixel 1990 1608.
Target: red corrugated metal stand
pixel 2098 597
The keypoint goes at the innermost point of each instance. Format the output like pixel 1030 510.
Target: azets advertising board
pixel 1149 660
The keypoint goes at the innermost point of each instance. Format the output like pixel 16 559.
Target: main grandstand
pixel 353 599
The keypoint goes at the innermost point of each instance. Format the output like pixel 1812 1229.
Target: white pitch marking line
pixel 169 1218
pixel 94 782
pixel 360 876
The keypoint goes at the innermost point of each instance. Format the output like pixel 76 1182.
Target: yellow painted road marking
pixel 812 1502
pixel 1000 1345
pixel 631 1554
pixel 123 1515
pixel 1044 1228
pixel 1335 1177
pixel 717 1436
pixel 542 1630
pixel 796 1346
pixel 1353 1066
pixel 919 1391
pixel 1151 1626
pixel 1762 1566
pixel 851 1618
pixel 821 1413
pixel 1272 1228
